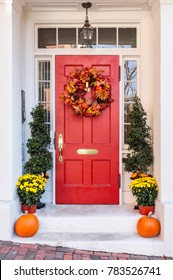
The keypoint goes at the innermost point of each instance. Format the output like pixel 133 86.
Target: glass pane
pixel 93 40
pixel 130 70
pixel 48 128
pixel 66 37
pixel 127 110
pixel 107 37
pixel 130 91
pixel 127 128
pixel 44 91
pixel 44 71
pixel 127 38
pixel 46 37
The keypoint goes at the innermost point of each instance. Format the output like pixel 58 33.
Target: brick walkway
pixel 18 251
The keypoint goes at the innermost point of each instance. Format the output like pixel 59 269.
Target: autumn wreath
pixel 87 92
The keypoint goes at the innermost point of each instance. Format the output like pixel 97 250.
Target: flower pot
pixel 30 210
pixel 144 210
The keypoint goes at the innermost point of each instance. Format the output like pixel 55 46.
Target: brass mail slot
pixel 87 151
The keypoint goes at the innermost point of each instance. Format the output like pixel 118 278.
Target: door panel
pixel 92 177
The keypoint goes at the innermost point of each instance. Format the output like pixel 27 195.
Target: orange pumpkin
pixel 148 226
pixel 27 225
pixel 144 175
pixel 134 175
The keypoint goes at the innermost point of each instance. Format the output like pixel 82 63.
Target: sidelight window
pixel 44 90
pixel 130 91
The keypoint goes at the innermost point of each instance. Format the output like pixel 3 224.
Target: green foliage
pixel 40 158
pixel 141 152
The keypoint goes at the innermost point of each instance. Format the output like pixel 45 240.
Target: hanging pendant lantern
pixel 87 31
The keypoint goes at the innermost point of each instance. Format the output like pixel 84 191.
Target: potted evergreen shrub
pixel 140 148
pixel 40 160
pixel 140 155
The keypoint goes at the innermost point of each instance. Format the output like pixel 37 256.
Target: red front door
pixel 84 178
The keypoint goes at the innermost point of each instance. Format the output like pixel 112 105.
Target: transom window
pixel 118 37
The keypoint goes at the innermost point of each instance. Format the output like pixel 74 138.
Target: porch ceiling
pixel 76 4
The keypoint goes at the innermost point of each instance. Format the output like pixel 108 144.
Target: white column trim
pixel 18 5
pixel 166 2
pixel 6 1
pixel 154 4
